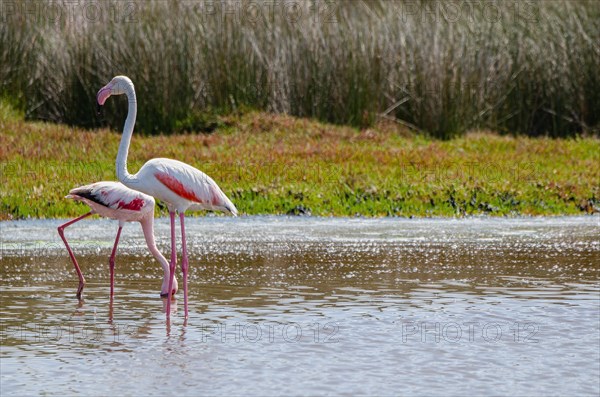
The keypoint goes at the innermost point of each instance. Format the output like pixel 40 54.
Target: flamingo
pixel 178 184
pixel 115 201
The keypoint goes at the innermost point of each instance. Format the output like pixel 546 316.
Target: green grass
pixel 270 164
pixel 443 67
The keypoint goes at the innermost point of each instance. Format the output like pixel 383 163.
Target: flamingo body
pixel 115 201
pixel 181 186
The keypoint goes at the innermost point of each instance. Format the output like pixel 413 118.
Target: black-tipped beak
pixel 99 109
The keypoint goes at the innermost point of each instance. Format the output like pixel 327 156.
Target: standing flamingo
pixel 115 201
pixel 178 184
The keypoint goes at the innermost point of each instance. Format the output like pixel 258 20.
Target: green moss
pixel 270 164
pixel 9 110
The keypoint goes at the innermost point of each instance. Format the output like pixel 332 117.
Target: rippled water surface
pixel 310 306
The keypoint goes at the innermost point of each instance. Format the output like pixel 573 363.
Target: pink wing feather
pixel 113 195
pixel 191 184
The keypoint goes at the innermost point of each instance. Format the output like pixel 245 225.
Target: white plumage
pixel 114 200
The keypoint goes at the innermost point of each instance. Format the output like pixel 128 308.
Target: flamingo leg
pixel 184 265
pixel 173 262
pixel 110 310
pixel 111 262
pixel 61 232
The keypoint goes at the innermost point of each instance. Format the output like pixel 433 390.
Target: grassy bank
pixel 444 67
pixel 271 164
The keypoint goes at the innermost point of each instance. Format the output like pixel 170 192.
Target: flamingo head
pixel 118 85
pixel 165 287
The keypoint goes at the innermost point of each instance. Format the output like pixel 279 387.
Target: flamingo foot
pixel 80 288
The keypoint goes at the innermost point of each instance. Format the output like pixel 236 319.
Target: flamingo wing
pixel 189 184
pixel 113 195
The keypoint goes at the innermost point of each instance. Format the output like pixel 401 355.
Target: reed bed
pixel 440 68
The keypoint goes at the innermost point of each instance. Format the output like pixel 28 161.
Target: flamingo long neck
pixel 148 229
pixel 122 173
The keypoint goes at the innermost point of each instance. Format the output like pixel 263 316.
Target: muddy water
pixel 308 306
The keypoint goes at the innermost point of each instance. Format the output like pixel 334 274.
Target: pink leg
pixel 173 262
pixel 110 310
pixel 111 263
pixel 184 265
pixel 61 232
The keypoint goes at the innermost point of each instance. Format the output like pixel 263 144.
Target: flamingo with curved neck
pixel 178 184
pixel 115 201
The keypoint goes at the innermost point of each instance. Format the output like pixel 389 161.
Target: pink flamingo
pixel 178 184
pixel 115 201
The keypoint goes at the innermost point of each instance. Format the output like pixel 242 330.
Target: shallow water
pixel 308 306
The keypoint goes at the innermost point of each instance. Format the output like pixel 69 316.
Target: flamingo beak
pixel 101 97
pixel 103 94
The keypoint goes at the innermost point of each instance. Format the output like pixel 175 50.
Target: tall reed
pixel 528 67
